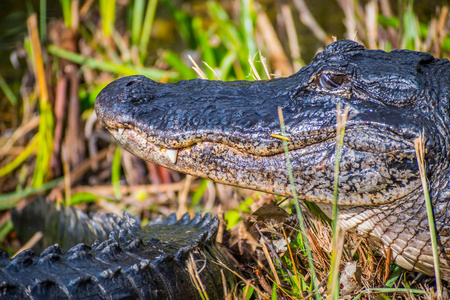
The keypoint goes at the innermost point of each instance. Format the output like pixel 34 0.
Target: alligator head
pixel 226 132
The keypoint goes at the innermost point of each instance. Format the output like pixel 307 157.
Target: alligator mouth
pixel 128 136
pixel 391 141
pixel 312 166
pixel 220 162
pixel 270 145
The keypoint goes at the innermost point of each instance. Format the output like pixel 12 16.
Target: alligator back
pixel 134 262
pixel 66 226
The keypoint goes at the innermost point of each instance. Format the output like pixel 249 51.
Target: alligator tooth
pixel 121 131
pixel 172 154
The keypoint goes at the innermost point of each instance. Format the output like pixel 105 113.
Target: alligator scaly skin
pixel 133 262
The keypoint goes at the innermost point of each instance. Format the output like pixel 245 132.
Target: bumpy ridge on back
pixel 133 262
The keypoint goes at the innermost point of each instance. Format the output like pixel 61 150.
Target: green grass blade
pixel 136 21
pixel 446 44
pixel 298 209
pixel 7 91
pixel 274 292
pixel 388 290
pixel 207 53
pixel 183 21
pixel 199 192
pixel 177 63
pixel 67 12
pixel 394 276
pixel 6 229
pixel 45 147
pixel 226 65
pixel 411 30
pixel 147 28
pixel 124 69
pixel 247 17
pixel 419 144
pixel 116 172
pixel 84 197
pixel 333 280
pixel 11 200
pixel 108 16
pixel 43 20
pixel 228 32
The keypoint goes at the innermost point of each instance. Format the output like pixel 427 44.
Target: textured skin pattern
pixel 64 226
pixel 134 262
pixel 222 131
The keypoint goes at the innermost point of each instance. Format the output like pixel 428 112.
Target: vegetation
pixel 51 145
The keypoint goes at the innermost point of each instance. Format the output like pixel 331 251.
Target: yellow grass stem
pixel 197 68
pixel 264 63
pixel 195 277
pixel 251 60
pixel 45 148
pixel 269 260
pixel 248 282
pixel 212 70
pixel 281 137
pixel 31 242
pixel 29 149
pixel 38 63
pixel 283 290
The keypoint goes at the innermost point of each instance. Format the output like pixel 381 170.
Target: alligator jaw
pixel 225 164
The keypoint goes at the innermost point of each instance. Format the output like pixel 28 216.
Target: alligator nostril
pixel 130 83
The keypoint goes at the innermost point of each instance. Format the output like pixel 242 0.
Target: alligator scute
pixel 133 262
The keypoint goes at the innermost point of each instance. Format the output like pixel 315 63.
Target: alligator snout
pixel 118 101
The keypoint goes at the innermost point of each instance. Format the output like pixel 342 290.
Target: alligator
pixel 125 261
pixel 229 132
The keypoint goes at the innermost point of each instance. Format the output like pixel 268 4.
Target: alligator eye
pixel 331 81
